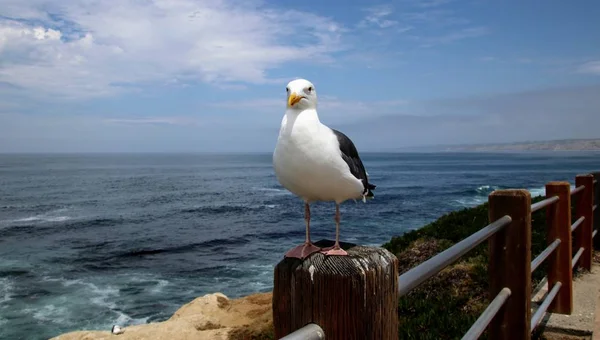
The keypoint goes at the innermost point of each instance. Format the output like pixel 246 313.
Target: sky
pixel 210 76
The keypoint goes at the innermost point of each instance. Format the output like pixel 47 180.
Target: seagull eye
pixel 287 89
pixel 310 89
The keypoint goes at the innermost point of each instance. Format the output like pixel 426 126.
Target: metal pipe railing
pixel 311 331
pixel 539 313
pixel 542 204
pixel 577 223
pixel 488 314
pixel 544 255
pixel 415 276
pixel 576 257
pixel 577 190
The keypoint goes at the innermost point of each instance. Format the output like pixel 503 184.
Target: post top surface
pixel 360 259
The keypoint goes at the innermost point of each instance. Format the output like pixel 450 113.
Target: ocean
pixel 92 240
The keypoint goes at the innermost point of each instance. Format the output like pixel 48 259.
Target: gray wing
pixel 350 156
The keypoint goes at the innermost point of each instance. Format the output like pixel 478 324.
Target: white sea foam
pixel 471 201
pixel 273 191
pixel 50 216
pixel 42 218
pixel 100 296
pixel 542 191
pixel 484 190
pixel 6 288
pixel 51 313
pixel 126 320
pixel 159 286
pixel 103 295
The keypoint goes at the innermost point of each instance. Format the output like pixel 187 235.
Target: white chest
pixel 307 162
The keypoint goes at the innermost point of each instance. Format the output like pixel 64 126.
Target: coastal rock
pixel 212 316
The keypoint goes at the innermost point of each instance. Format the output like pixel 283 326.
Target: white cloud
pixel 88 49
pixel 331 109
pixel 451 37
pixel 432 3
pixel 377 17
pixel 186 121
pixel 591 67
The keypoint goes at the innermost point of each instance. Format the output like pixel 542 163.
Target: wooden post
pixel 558 224
pixel 350 297
pixel 584 208
pixel 597 211
pixel 510 264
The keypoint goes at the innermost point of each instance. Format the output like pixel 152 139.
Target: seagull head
pixel 301 95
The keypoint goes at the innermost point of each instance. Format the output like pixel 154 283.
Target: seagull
pixel 116 330
pixel 316 163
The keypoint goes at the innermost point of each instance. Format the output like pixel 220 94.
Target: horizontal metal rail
pixel 577 190
pixel 594 233
pixel 577 223
pixel 576 257
pixel 415 276
pixel 544 255
pixel 539 313
pixel 488 314
pixel 309 332
pixel 542 204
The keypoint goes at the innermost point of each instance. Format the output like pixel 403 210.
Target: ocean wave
pixel 6 288
pixel 55 215
pixel 275 190
pixel 482 193
pixel 542 191
pixel 51 313
pixel 126 320
pixel 227 209
pixel 471 201
pixel 42 219
pixel 212 245
pixel 486 189
pixel 100 296
pixel 40 229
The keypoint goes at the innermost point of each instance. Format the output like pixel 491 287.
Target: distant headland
pixel 549 145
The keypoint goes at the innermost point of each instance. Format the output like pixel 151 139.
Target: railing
pixel 508 316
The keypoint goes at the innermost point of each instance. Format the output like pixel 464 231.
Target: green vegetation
pixel 446 305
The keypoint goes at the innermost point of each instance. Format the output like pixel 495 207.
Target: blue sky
pixel 185 75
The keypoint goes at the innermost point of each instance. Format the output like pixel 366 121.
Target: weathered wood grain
pixel 350 297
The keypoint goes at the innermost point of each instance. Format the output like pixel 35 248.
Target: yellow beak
pixel 293 99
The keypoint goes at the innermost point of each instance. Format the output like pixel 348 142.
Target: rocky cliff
pixel 210 317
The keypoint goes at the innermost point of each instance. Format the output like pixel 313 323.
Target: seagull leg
pixel 336 250
pixel 307 248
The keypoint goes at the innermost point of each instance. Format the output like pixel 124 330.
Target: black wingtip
pixel 369 188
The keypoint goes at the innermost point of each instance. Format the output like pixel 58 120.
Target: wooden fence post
pixel 584 208
pixel 349 297
pixel 597 211
pixel 558 224
pixel 510 264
